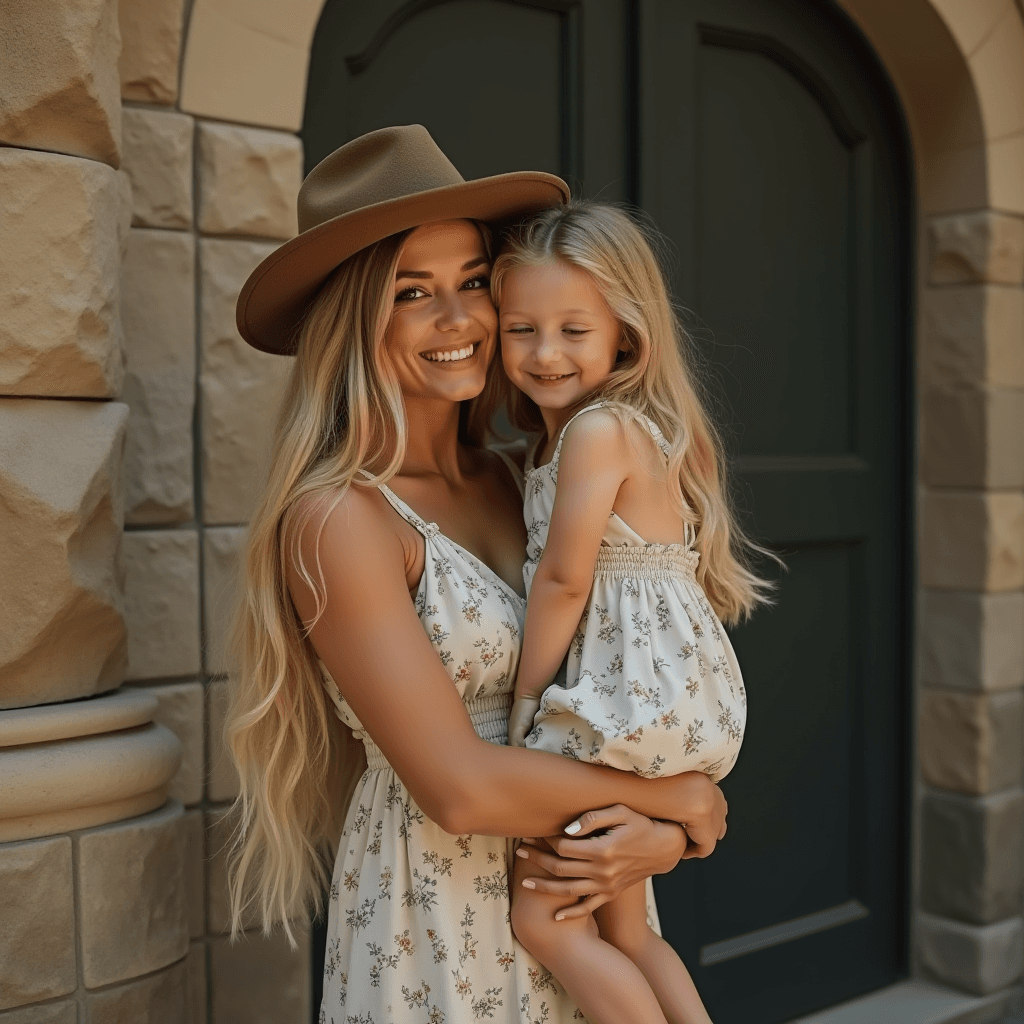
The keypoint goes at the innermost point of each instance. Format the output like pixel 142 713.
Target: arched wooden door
pixel 764 140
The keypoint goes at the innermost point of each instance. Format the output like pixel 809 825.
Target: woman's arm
pixel 592 466
pixel 374 646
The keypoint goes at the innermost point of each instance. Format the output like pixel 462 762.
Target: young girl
pixel 633 559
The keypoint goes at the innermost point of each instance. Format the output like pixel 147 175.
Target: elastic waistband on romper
pixel 489 716
pixel 653 562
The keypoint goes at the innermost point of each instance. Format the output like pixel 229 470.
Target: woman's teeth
pixel 452 356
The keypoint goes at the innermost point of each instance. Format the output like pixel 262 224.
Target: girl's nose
pixel 546 350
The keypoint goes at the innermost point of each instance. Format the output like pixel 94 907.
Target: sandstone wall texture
pixel 111 832
pixel 971 607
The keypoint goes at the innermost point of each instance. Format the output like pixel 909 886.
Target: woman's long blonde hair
pixel 652 378
pixel 297 765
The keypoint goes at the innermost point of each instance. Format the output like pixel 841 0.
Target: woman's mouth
pixel 451 355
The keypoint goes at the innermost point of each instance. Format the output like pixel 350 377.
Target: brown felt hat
pixel 388 181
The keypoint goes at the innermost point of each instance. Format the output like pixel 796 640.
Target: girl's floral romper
pixel 418 923
pixel 652 684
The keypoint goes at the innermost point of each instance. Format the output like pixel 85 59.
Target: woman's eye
pixel 412 292
pixel 476 283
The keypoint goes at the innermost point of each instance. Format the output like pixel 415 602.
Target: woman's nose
pixel 453 314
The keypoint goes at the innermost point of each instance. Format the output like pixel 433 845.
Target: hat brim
pixel 275 297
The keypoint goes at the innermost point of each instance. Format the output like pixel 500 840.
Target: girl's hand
pixel 627 849
pixel 520 720
pixel 704 817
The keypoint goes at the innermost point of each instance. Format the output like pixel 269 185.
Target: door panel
pixel 781 189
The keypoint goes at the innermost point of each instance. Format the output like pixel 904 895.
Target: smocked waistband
pixel 651 562
pixel 489 716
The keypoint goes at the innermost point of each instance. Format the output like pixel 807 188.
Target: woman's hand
pixel 628 849
pixel 520 720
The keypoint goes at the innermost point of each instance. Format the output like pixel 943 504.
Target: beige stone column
pixel 92 851
pixel 971 741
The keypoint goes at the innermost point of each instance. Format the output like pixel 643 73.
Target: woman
pixel 384 566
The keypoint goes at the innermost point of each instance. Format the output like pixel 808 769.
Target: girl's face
pixel 559 339
pixel 443 329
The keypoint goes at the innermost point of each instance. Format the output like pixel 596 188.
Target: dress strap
pixel 574 416
pixel 415 521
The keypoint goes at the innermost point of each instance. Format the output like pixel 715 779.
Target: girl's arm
pixel 594 462
pixel 374 646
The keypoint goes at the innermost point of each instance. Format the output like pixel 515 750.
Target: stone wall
pixel 209 201
pixel 133 429
pixel 971 607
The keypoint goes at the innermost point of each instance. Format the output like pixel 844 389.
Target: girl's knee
pixel 533 924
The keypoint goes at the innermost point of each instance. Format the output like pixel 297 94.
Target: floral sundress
pixel 418 920
pixel 652 684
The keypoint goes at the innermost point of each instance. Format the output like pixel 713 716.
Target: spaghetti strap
pixel 415 521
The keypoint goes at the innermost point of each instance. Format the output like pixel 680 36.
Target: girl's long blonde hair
pixel 297 765
pixel 652 378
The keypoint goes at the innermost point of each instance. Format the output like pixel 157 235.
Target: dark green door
pixel 764 141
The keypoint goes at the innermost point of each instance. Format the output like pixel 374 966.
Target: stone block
pixel 222 780
pixel 195 873
pixel 180 709
pixel 195 984
pixel 157 157
pixel 60 520
pixel 159 999
pixel 37 940
pixel 222 547
pixel 162 603
pixel 46 1013
pixel 971 743
pixel 63 221
pixel 977 959
pixel 972 540
pixel 220 827
pixel 248 180
pixel 972 641
pixel 971 855
pixel 58 78
pixel 259 980
pixel 150 47
pixel 972 334
pixel 158 313
pixel 973 437
pixel 131 885
pixel 974 247
pixel 241 387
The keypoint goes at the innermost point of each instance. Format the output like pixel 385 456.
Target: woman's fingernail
pixel 522 853
pixel 529 883
pixel 571 830
pixel 530 841
pixel 559 917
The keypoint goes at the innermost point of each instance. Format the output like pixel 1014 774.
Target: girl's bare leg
pixel 623 923
pixel 603 983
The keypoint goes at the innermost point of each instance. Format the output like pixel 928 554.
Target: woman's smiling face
pixel 443 328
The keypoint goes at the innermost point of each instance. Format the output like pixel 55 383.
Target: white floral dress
pixel 418 921
pixel 652 684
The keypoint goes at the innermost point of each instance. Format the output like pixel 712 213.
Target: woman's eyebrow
pixel 427 275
